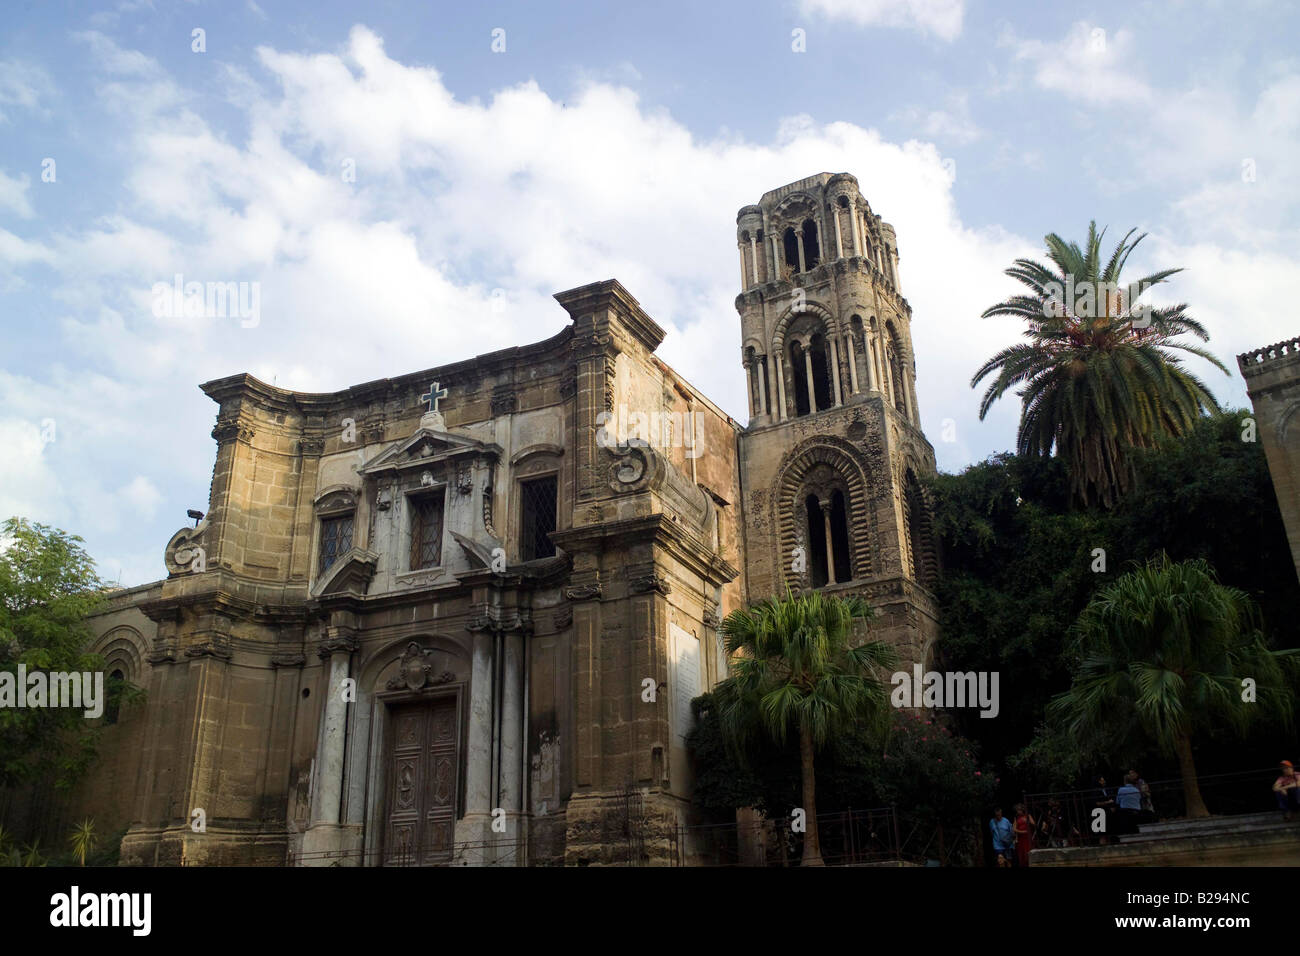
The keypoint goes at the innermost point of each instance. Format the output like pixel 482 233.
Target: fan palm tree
pixel 801 669
pixel 1167 650
pixel 1098 374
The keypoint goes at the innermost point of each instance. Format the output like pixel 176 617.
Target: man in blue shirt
pixel 1129 799
pixel 1004 837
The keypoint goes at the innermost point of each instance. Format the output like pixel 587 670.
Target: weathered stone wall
pixel 1273 382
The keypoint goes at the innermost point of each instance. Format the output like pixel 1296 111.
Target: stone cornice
pixel 610 295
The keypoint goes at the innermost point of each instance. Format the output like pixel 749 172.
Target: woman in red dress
pixel 1024 828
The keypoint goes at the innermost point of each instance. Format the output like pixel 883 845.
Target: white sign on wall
pixel 686 678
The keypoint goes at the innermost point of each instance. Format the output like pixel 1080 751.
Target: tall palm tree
pixel 802 669
pixel 1098 374
pixel 1164 651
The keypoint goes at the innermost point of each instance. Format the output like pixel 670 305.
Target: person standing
pixel 1129 799
pixel 1024 828
pixel 1147 813
pixel 1103 800
pixel 1003 837
pixel 1287 788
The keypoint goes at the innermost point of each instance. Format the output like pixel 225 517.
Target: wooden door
pixel 422 783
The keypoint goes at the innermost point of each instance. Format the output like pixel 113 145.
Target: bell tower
pixel 833 456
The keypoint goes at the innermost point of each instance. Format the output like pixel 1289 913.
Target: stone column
pixel 839 238
pixel 510 796
pixel 857 229
pixel 774 374
pixel 780 384
pixel 812 390
pixel 798 241
pixel 750 377
pixel 853 364
pixel 762 385
pixel 478 760
pixel 744 281
pixel 776 257
pixel 836 401
pixel 329 775
pixel 830 549
pixel 753 257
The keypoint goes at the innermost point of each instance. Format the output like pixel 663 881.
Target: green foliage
pixel 930 775
pixel 83 840
pixel 798 667
pixel 1016 577
pixel 1162 653
pixel 934 778
pixel 48 585
pixel 1095 382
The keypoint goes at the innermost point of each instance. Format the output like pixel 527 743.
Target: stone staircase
pixel 1181 829
pixel 1246 839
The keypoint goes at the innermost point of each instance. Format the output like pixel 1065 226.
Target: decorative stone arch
pixel 123 647
pixel 793 210
pixel 123 650
pixel 830 322
pixel 919 542
pixel 842 458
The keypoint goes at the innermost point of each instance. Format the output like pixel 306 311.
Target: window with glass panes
pixel 335 539
pixel 426 530
pixel 538 501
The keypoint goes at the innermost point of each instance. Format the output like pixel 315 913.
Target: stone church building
pixel 458 616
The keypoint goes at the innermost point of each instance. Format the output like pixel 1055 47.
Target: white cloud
pixel 953 124
pixel 13 194
pixel 22 85
pixel 526 191
pixel 943 18
pixel 1090 64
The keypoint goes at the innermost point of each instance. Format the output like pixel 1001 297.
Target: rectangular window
pixel 335 539
pixel 426 530
pixel 538 518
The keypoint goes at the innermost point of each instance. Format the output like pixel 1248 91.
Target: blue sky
pixel 604 140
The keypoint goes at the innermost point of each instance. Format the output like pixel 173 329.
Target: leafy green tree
pixel 1165 652
pixel 801 670
pixel 48 585
pixel 1095 380
pixel 1018 571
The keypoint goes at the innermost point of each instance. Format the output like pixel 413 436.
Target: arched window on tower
pixel 840 537
pixel 894 352
pixel 816 524
pixel 798 371
pixel 790 248
pixel 811 248
pixel 826 512
pixel 821 373
pixel 918 530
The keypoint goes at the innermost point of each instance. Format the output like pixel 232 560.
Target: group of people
pixel 1129 806
pixel 1123 809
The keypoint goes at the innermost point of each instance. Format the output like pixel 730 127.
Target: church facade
pixel 457 617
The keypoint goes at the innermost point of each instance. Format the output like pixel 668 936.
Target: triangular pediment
pixel 425 447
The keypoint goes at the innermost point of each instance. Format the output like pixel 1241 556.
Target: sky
pixel 407 185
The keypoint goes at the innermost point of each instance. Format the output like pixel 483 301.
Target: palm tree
pixel 83 839
pixel 1166 650
pixel 800 669
pixel 1097 375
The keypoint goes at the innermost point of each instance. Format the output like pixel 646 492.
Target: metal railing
pixel 1065 817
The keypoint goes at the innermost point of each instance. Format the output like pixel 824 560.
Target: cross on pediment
pixel 431 397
